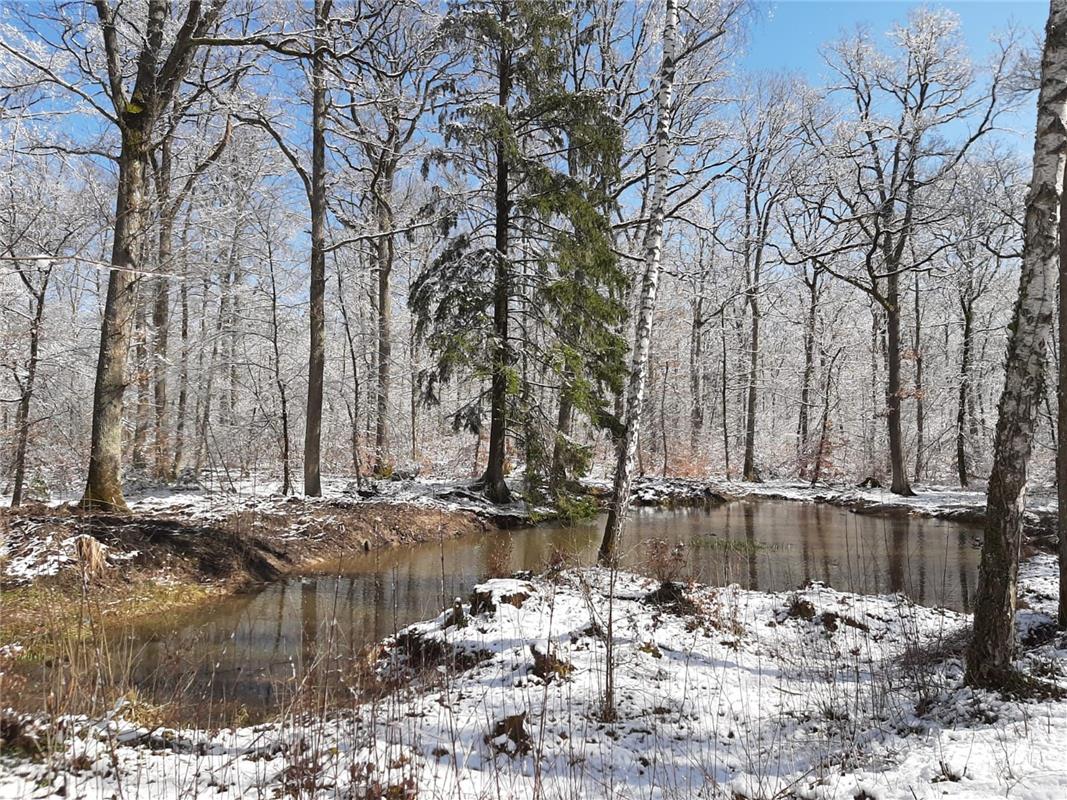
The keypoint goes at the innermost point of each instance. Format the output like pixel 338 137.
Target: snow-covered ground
pixel 447 495
pixel 727 694
pixel 218 494
pixel 926 500
pixel 940 501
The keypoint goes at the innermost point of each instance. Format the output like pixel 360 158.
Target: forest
pixel 533 398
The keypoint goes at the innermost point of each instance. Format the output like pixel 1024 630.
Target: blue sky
pixel 787 34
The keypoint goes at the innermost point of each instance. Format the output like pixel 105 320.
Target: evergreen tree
pixel 532 233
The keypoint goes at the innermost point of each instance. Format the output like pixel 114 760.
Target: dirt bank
pixel 259 541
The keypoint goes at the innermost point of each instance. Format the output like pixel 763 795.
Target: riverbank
pixel 937 502
pixel 720 693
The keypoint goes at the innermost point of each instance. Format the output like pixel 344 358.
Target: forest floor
pixel 719 693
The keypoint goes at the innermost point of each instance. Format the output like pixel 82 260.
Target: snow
pixel 927 500
pixel 33 553
pixel 809 694
pixel 250 494
pixel 38 547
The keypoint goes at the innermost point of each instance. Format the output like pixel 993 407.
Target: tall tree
pixel 653 246
pixel 992 647
pixel 767 119
pixel 169 203
pixel 980 236
pixel 399 81
pixel 313 54
pixel 157 76
pixel 39 221
pixel 145 61
pixel 317 299
pixel 513 119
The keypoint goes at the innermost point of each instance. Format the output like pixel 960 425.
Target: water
pixel 252 648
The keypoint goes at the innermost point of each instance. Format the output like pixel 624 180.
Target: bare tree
pixel 400 80
pixel 889 152
pixel 37 227
pixel 768 124
pixel 136 48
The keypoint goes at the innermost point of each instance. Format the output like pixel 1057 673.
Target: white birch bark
pixel 653 246
pixel 992 647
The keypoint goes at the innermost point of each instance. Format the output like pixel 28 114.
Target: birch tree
pixel 992 646
pixel 653 246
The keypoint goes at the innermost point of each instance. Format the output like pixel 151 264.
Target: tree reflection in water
pixel 245 647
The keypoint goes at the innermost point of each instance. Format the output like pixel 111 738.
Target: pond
pixel 251 649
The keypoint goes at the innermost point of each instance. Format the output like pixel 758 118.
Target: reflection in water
pixel 245 647
pixel 750 544
pixel 963 546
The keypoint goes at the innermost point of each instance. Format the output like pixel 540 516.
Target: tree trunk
pixel 413 394
pixel 22 414
pixel 353 362
pixel 384 248
pixel 1061 420
pixel 809 368
pixel 696 389
pixel 162 464
pixel 183 369
pixel 663 416
pixel 204 422
pixel 653 244
pixel 961 409
pixel 278 382
pixel 496 488
pixel 138 458
pixel 317 297
pixel 231 344
pixel 918 353
pixel 892 395
pixel 724 396
pixel 989 658
pixel 874 462
pixel 564 421
pixel 824 425
pixel 160 323
pixel 752 275
pixel 749 472
pixel 103 488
